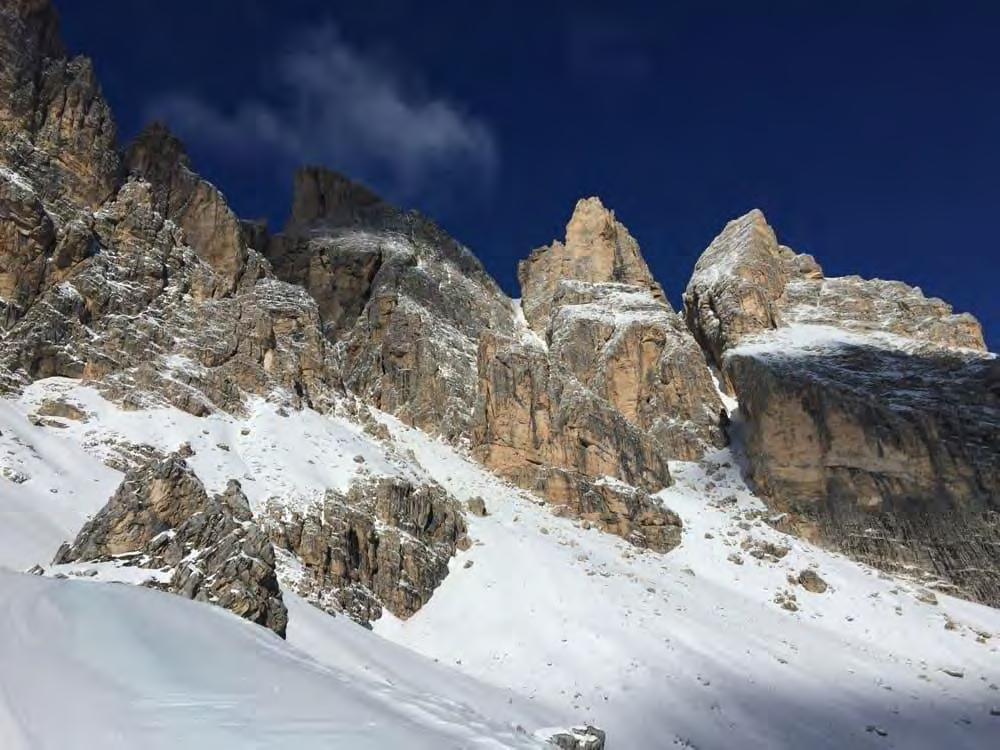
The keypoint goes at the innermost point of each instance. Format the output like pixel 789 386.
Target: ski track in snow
pixel 551 624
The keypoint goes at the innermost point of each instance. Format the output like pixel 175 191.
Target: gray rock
pixel 579 738
pixel 385 542
pixel 810 580
pixel 476 506
pixel 161 517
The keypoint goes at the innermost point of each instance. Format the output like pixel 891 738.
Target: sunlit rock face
pixel 598 249
pixel 602 380
pixel 868 410
pixel 194 204
pixel 130 272
pixel 205 548
pixel 404 302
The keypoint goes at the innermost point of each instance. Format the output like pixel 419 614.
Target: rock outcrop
pixel 161 517
pixel 404 302
pixel 579 738
pixel 385 542
pixel 195 205
pixel 746 283
pixel 139 316
pixel 598 250
pixel 57 155
pixel 867 408
pixel 142 282
pixel 56 128
pixel 604 380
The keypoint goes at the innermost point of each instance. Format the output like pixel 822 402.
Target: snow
pixel 295 458
pixel 689 647
pixel 110 666
pixel 801 338
pixel 17 179
pixel 617 305
pixel 524 332
pixel 550 625
pixel 56 486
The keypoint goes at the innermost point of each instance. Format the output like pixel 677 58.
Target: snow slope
pixel 111 666
pixel 687 649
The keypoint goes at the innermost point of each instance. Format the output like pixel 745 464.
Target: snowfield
pixel 112 666
pixel 550 625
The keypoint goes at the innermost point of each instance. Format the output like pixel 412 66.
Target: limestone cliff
pixel 404 303
pixel 868 411
pixel 606 381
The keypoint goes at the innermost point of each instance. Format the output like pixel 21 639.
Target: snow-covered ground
pixel 687 649
pixel 90 665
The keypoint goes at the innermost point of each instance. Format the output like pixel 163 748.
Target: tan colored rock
pixel 811 581
pixel 904 480
pixel 209 225
pixel 406 302
pixel 28 239
pixel 610 385
pixel 633 351
pixel 868 409
pixel 746 283
pixel 540 429
pixel 532 416
pixel 476 506
pixel 598 249
pixel 57 130
pixel 62 409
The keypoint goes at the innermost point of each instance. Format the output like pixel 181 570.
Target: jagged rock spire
pixel 180 194
pixel 58 131
pixel 598 249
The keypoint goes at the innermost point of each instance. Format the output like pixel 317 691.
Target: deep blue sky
pixel 869 134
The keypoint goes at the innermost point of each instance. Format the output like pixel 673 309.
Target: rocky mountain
pixel 350 417
pixel 870 412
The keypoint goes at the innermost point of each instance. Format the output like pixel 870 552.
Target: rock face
pixel 598 250
pixel 404 303
pixel 385 542
pixel 210 226
pixel 142 282
pixel 746 283
pixel 162 517
pixel 868 410
pixel 134 273
pixel 56 128
pixel 604 382
pixel 57 154
pixel 138 315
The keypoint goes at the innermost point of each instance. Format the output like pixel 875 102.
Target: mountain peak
pixel 598 249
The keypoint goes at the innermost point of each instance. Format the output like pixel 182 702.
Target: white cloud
pixel 335 107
